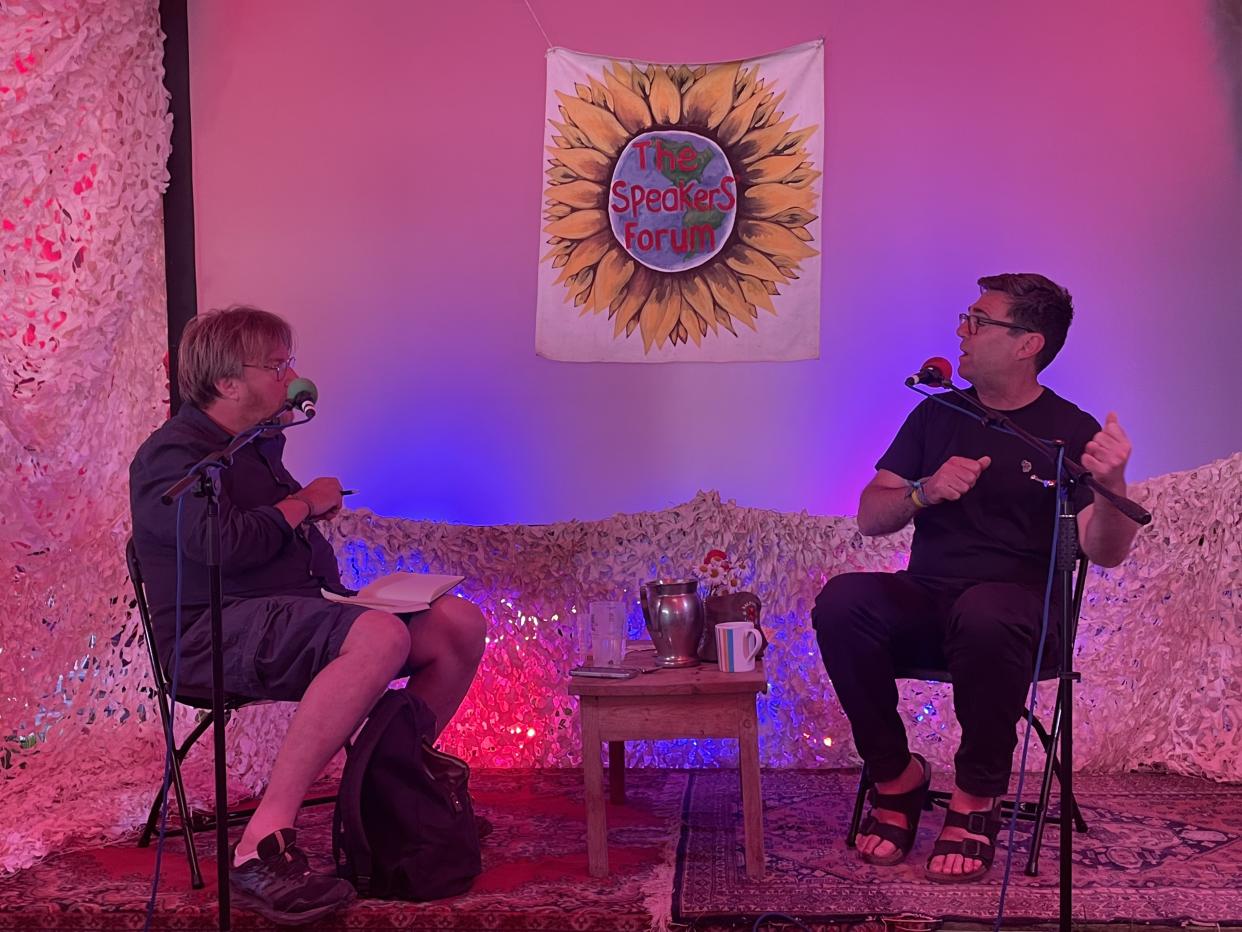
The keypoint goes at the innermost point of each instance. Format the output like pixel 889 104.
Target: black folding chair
pixel 1036 811
pixel 191 821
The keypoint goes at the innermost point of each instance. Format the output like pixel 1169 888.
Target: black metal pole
pixel 217 699
pixel 180 279
pixel 1067 555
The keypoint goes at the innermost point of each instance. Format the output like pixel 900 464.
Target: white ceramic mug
pixel 737 644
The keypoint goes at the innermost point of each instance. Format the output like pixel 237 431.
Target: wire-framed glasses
pixel 279 368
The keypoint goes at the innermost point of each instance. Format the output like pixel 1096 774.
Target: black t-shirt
pixel 1001 530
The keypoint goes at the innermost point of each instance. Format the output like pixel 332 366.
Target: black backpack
pixel 404 824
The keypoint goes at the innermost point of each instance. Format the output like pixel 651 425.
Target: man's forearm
pixel 1109 534
pixel 294 509
pixel 885 510
pixel 248 537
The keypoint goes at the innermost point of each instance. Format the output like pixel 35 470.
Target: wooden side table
pixel 693 702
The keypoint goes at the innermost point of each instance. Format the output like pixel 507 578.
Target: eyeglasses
pixel 973 322
pixel 280 368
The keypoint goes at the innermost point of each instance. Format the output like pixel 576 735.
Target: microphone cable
pixel 983 418
pixel 1030 709
pixel 784 917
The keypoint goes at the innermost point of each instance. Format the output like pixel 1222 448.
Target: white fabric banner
pixel 681 212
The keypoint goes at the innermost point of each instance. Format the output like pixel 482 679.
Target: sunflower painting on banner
pixel 680 219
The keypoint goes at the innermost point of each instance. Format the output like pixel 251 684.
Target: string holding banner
pixel 681 201
pixel 539 24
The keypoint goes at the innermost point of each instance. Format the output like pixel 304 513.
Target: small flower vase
pixel 732 606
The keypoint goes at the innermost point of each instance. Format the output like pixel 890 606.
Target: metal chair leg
pixel 1080 822
pixel 186 828
pixel 864 784
pixel 1041 809
pixel 1052 767
pixel 187 820
pixel 149 829
pixel 170 739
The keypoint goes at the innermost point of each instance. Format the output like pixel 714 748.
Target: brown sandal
pixel 985 822
pixel 910 804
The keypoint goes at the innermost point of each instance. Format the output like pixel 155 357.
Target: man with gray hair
pixel 282 639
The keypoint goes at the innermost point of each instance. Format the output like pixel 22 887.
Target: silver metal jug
pixel 674 615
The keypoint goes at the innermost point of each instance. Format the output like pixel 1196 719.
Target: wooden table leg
pixel 593 776
pixel 752 797
pixel 616 772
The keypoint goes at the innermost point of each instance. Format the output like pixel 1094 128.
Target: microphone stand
pixel 202 477
pixel 1066 556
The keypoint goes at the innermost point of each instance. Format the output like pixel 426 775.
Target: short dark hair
pixel 1038 303
pixel 216 345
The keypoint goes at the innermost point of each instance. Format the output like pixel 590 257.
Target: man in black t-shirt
pixel 983 504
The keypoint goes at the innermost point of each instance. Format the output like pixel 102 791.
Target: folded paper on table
pixel 399 592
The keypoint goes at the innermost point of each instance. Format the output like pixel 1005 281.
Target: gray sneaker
pixel 280 885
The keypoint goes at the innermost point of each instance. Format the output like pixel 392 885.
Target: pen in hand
pixel 349 491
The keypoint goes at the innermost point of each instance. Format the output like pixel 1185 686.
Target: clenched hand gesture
pixel 956 476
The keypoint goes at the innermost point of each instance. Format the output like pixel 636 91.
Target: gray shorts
pixel 273 646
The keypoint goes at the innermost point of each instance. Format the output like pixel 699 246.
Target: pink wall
pixel 372 171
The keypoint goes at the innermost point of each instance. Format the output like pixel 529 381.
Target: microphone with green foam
pixel 301 396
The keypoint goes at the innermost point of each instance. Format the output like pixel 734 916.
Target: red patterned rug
pixel 534 870
pixel 1160 849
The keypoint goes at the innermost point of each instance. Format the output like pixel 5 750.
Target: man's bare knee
pixel 468 629
pixel 382 637
pixel 454 630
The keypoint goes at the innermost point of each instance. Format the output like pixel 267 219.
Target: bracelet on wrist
pixel 916 496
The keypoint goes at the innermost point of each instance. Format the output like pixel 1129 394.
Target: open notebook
pixel 400 592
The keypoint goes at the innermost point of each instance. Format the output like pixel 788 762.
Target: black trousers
pixel 984 634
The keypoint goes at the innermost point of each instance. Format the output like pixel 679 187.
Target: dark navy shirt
pixel 260 554
pixel 1001 530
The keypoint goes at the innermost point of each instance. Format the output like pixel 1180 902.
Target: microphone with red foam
pixel 937 372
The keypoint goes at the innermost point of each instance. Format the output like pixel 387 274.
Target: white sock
pixel 239 859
